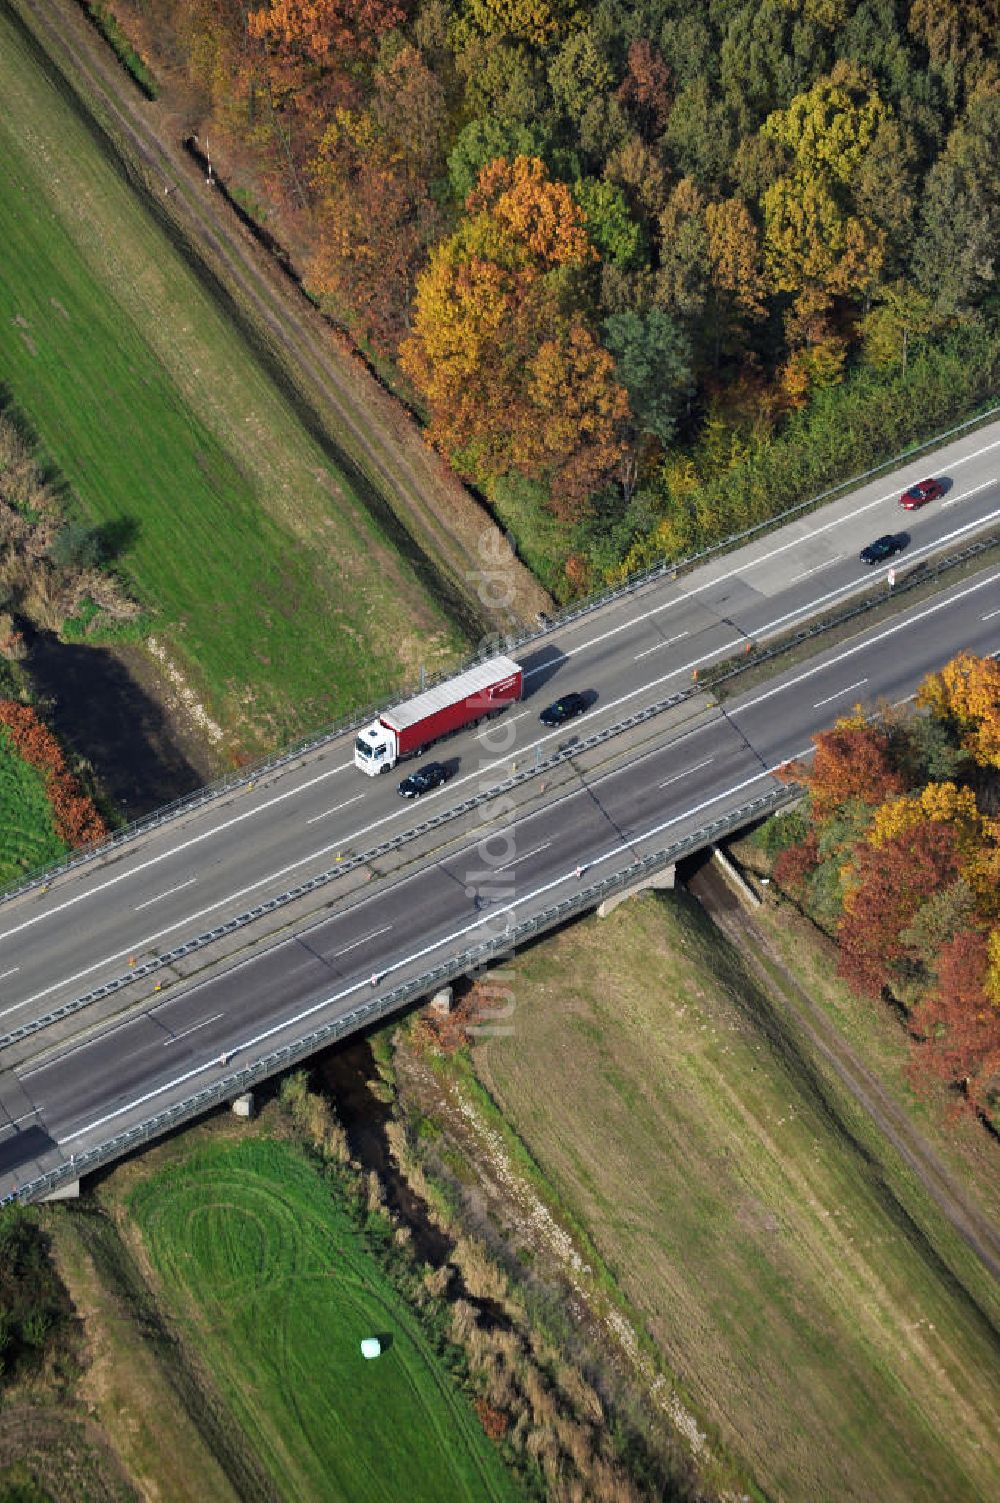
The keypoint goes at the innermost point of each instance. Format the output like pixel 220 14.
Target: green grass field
pixel 819 1313
pixel 27 836
pixel 263 1266
pixel 272 584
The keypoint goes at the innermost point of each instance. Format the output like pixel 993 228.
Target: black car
pixel 432 775
pixel 889 544
pixel 564 709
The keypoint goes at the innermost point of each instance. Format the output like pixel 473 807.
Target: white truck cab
pixel 376 749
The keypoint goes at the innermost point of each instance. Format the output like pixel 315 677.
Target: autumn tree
pixel 737 289
pixel 901 316
pixel 319 31
pixel 682 279
pixel 965 694
pixel 313 47
pixel 819 244
pixel 75 817
pixel 536 22
pixel 638 170
pixel 945 803
pixel 887 887
pixel 513 377
pixel 645 90
pixel 375 218
pixel 580 76
pixel 945 914
pixel 857 759
pixel 959 1021
pixel 958 34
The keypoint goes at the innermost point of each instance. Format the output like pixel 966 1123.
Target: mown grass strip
pixel 799 1282
pixel 272 581
pixel 27 832
pixel 260 1257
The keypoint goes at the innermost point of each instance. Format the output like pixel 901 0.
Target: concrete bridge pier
pixel 661 881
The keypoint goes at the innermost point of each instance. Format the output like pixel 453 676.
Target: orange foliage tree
pixel 854 760
pixel 907 866
pixel 77 822
pixel 512 376
pixel 889 885
pixel 304 34
pixel 959 1022
pixel 312 54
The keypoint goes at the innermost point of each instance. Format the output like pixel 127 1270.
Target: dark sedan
pixel 920 494
pixel 424 780
pixel 564 709
pixel 889 544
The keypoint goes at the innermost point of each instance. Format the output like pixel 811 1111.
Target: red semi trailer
pixel 483 690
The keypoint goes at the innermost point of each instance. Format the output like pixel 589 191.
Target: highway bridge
pixel 215 946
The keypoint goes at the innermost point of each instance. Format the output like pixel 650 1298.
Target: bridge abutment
pixel 661 881
pixel 68 1190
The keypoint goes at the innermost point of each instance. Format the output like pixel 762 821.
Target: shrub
pixel 77 546
pixel 77 821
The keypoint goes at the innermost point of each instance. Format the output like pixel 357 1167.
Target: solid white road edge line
pixel 360 986
pixel 139 945
pixel 500 761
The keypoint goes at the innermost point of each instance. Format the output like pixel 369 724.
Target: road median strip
pixel 709 680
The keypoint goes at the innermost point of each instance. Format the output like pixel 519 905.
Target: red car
pixel 920 494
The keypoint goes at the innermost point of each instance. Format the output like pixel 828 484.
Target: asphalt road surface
pixel 69 1091
pixel 213 863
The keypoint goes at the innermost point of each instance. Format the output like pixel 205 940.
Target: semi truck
pixel 481 691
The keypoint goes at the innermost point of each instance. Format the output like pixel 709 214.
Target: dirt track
pixel 440 526
pixel 718 900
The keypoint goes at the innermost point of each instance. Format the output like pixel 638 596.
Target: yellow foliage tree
pixel 943 803
pixel 512 378
pixel 893 818
pixel 814 234
pixel 992 983
pixel 533 21
pixel 734 255
pixel 966 692
pixel 982 871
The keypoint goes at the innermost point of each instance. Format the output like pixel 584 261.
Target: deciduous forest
pixel 897 851
pixel 649 271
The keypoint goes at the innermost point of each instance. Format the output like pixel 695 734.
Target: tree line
pixel 615 248
pixel 896 850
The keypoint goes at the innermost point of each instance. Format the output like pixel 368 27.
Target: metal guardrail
pixel 500 642
pixel 711 678
pixel 363 1016
pixel 769 524
pixel 342 868
pixel 717 674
